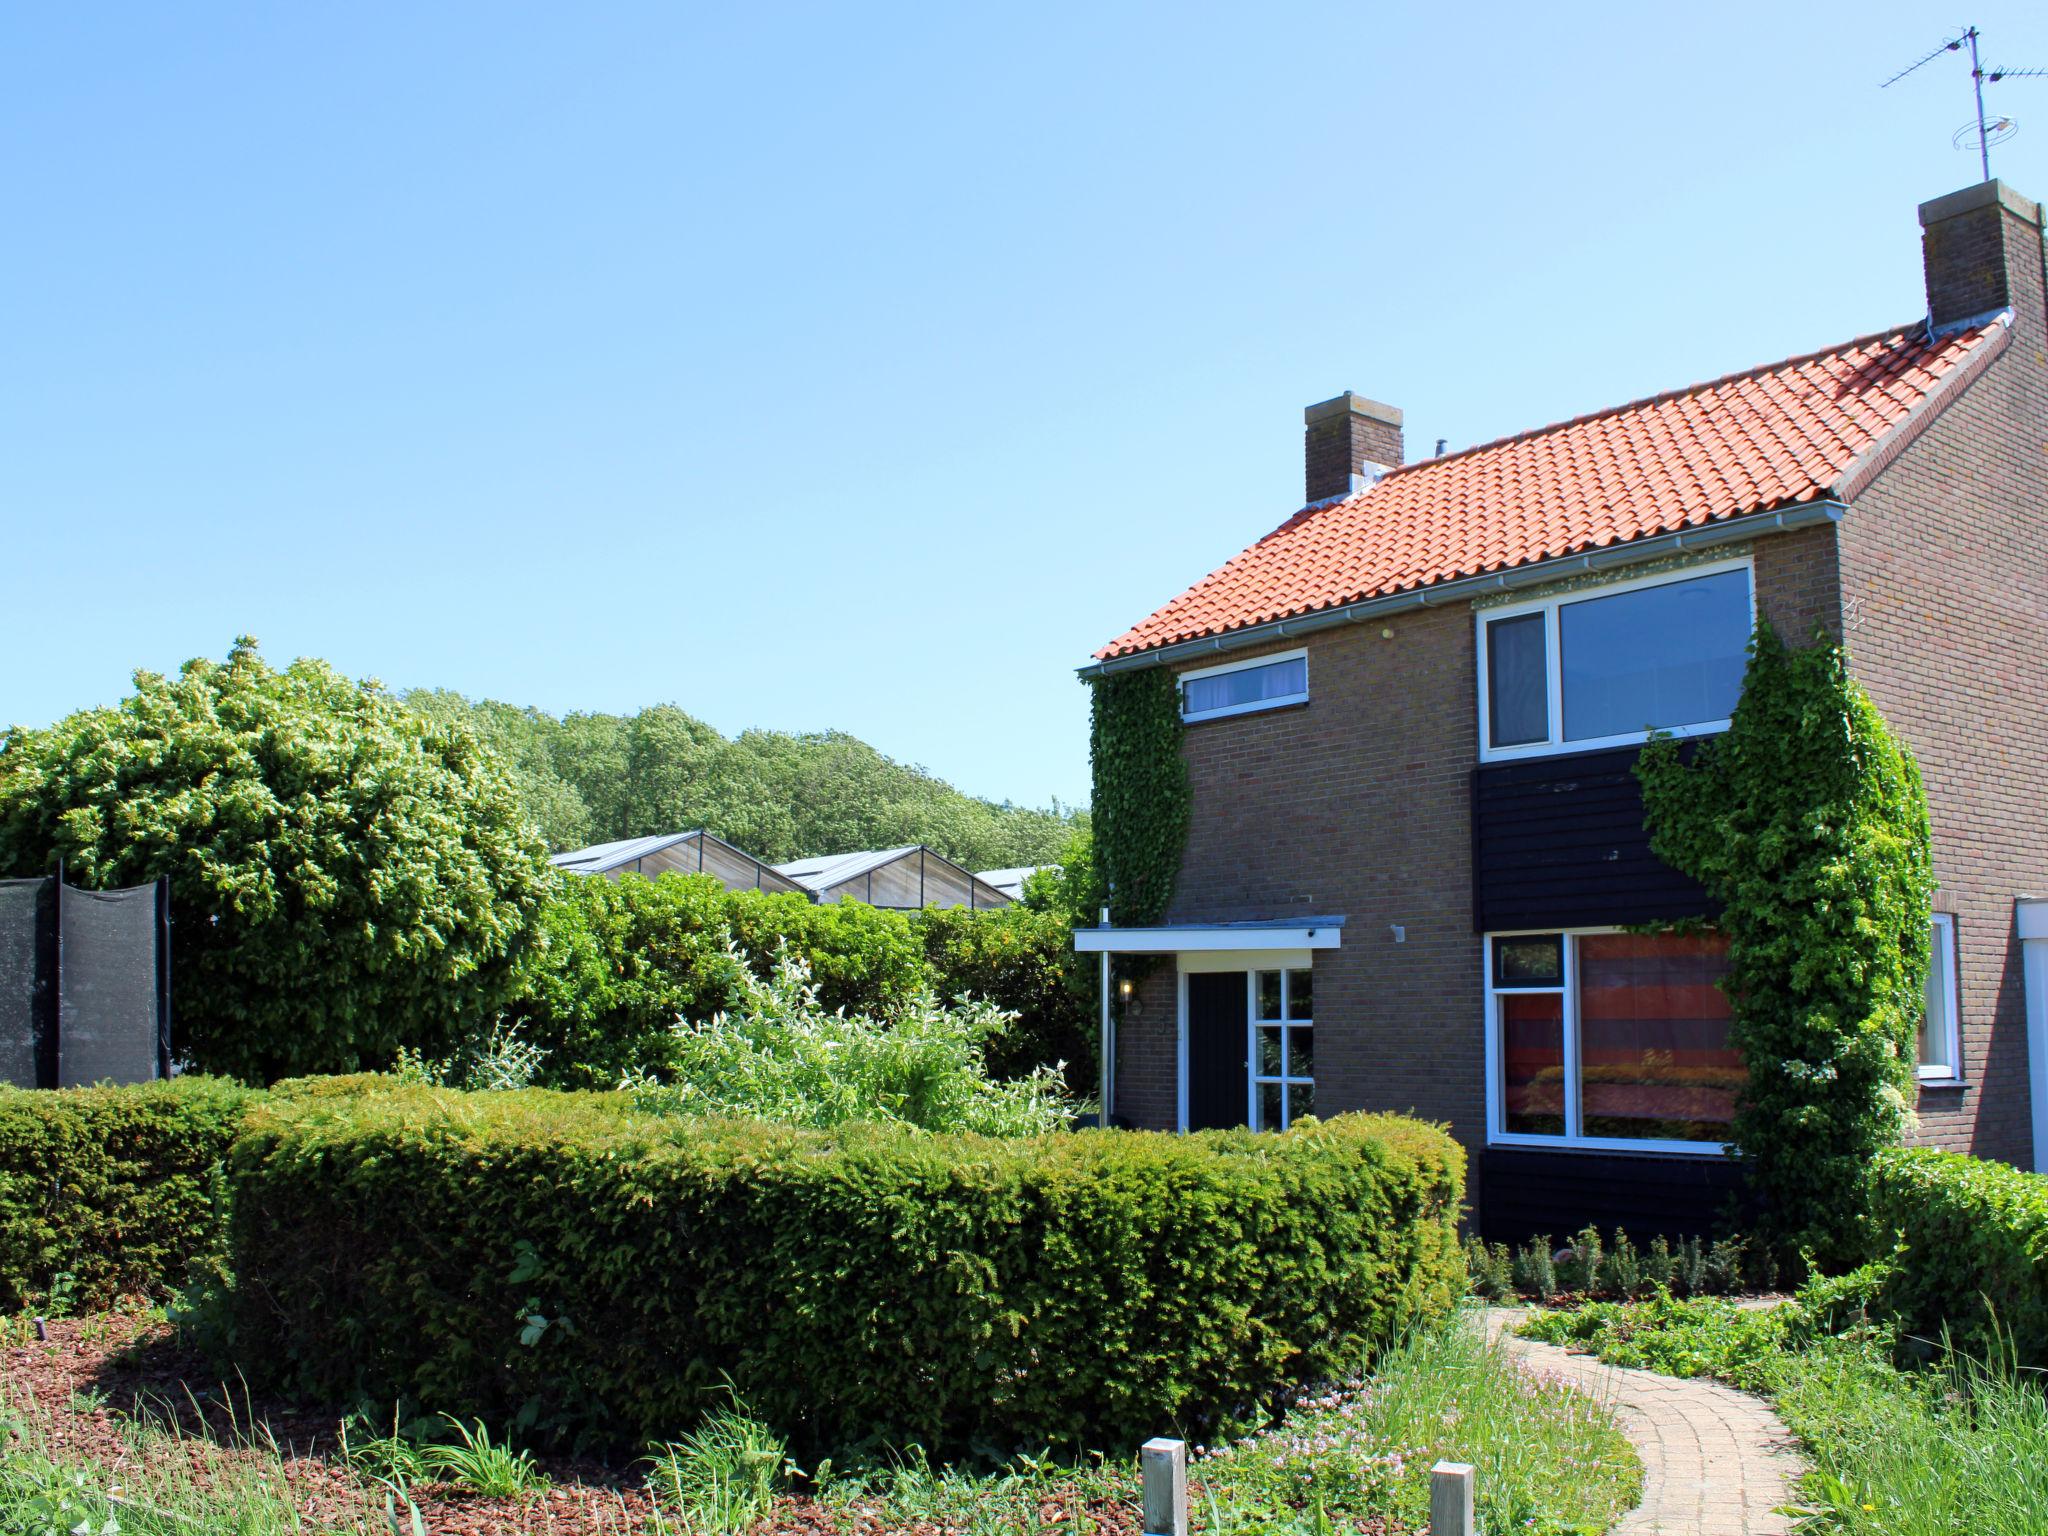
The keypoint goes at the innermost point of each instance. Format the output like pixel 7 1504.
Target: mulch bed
pixel 86 1383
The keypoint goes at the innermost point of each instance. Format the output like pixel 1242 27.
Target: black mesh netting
pixel 107 1008
pixel 28 953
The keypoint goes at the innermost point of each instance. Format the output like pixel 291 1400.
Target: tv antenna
pixel 1989 131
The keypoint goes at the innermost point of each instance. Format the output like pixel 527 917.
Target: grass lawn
pixel 1960 1445
pixel 107 1420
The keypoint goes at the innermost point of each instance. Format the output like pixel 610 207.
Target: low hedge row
pixel 112 1187
pixel 603 1278
pixel 1976 1236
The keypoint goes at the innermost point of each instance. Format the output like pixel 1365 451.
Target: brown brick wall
pixel 1358 804
pixel 1945 584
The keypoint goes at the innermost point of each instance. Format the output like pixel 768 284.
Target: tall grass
pixel 174 1485
pixel 722 1476
pixel 1961 1446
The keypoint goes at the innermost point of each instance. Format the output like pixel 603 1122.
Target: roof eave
pixel 1806 514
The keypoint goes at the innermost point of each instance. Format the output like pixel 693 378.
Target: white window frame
pixel 1944 947
pixel 1496 1061
pixel 1554 666
pixel 1286 1023
pixel 1286 701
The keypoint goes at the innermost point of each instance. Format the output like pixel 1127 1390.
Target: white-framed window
pixel 1941 1047
pixel 1239 687
pixel 1283 1046
pixel 1603 666
pixel 1599 1038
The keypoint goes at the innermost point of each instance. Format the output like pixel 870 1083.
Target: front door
pixel 1217 1035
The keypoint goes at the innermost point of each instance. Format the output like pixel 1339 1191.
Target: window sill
pixel 1263 707
pixel 1597 743
pixel 1707 1149
pixel 1944 1082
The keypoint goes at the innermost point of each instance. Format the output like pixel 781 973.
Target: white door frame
pixel 1249 961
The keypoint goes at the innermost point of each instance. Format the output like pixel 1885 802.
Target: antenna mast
pixel 2002 128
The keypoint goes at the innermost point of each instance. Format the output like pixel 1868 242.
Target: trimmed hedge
pixel 111 1186
pixel 601 1277
pixel 1976 1236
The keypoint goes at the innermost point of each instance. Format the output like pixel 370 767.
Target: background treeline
pixel 590 778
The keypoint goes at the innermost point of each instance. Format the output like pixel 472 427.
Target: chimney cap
pixel 1349 404
pixel 1984 194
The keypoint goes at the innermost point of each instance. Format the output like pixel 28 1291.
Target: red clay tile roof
pixel 1785 433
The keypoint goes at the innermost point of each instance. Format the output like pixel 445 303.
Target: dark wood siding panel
pixel 1559 842
pixel 1555 1193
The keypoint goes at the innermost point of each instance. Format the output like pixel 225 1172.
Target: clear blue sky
pixel 860 366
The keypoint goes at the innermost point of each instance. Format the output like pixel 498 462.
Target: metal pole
pixel 1107 1076
pixel 57 983
pixel 163 975
pixel 1977 80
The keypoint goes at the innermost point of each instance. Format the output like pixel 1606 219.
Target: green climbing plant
pixel 1807 822
pixel 1140 792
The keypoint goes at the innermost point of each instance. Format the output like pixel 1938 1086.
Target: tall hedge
pixel 112 1187
pixel 1020 959
pixel 602 1278
pixel 1976 1260
pixel 1807 822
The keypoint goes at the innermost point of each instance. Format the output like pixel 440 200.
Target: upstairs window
pixel 1605 667
pixel 1239 687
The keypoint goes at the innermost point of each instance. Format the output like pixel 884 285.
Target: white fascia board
pixel 1173 941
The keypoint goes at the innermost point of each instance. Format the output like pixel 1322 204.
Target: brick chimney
pixel 1982 247
pixel 1348 443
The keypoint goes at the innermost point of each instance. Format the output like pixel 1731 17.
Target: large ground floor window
pixel 1605 1037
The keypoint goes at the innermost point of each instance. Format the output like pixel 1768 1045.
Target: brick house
pixel 1411 712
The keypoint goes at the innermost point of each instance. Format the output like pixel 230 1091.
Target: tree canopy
pixel 587 778
pixel 347 875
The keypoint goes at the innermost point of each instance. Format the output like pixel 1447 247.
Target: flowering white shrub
pixel 778 1054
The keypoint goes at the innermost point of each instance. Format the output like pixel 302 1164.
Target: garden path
pixel 1716 1462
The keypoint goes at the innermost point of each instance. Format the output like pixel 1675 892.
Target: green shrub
pixel 606 1278
pixel 1976 1260
pixel 618 962
pixel 1021 960
pixel 778 1055
pixel 346 878
pixel 110 1187
pixel 1807 822
pixel 1141 796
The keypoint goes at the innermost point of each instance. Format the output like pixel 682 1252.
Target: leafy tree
pixel 347 876
pixel 1807 821
pixel 596 777
pixel 525 740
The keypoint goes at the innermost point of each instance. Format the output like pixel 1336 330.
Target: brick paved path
pixel 1716 1462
